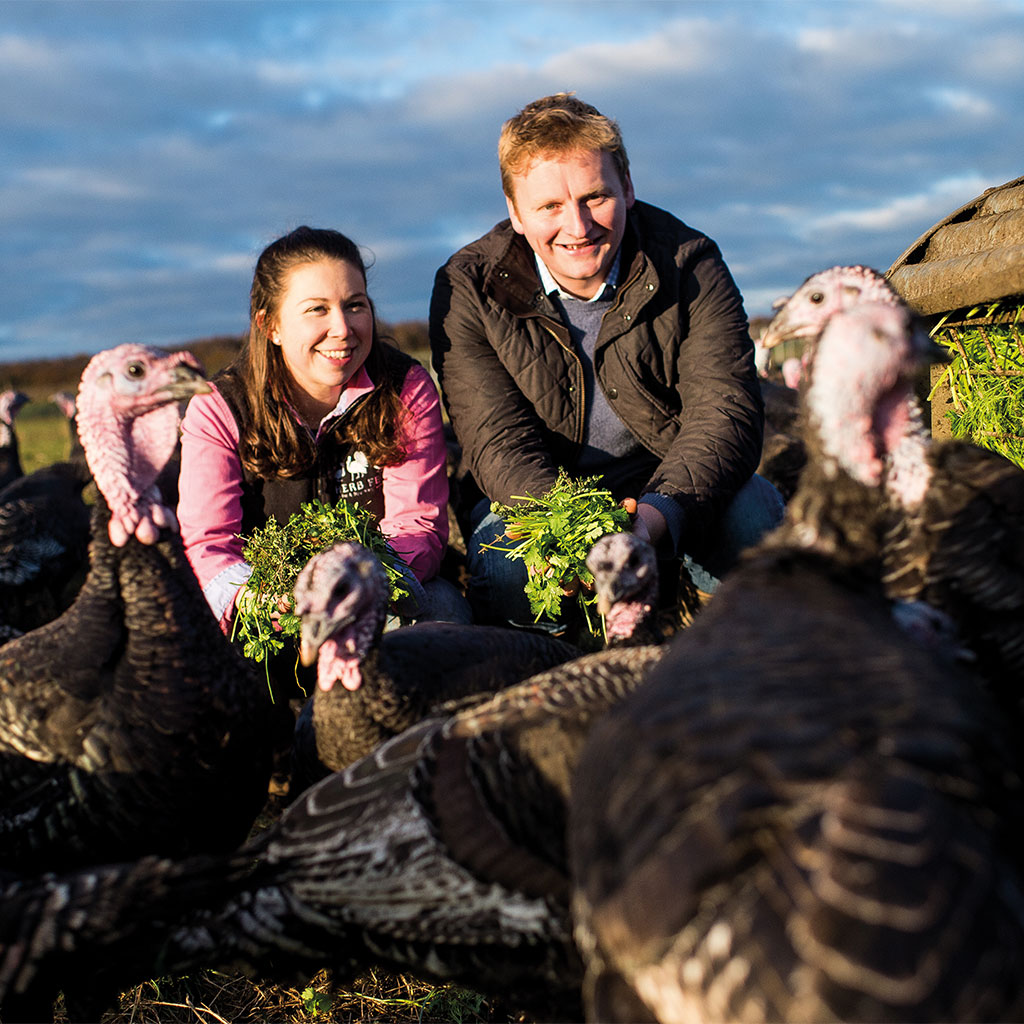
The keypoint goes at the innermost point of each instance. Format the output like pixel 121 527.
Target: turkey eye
pixel 817 297
pixel 136 370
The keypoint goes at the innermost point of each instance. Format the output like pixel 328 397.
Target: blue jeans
pixel 437 600
pixel 496 585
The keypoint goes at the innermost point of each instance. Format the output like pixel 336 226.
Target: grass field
pixel 43 435
pixel 223 997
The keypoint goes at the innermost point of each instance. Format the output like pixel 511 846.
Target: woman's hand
pixel 284 606
pixel 280 604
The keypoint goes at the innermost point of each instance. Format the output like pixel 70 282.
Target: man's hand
pixel 649 524
pixel 570 588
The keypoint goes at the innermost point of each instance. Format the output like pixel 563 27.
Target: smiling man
pixel 598 333
pixel 571 210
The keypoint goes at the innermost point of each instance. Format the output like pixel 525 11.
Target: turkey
pixel 800 318
pixel 802 815
pixel 10 461
pixel 792 371
pixel 803 315
pixel 65 401
pixel 782 454
pixel 957 536
pixel 94 932
pixel 129 725
pixel 441 853
pixel 625 571
pixel 44 542
pixel 389 680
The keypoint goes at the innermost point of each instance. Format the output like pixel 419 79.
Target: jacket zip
pixel 578 385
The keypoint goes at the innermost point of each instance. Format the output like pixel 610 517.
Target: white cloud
pixel 683 47
pixel 820 40
pixel 81 182
pixel 962 101
pixel 935 202
pixel 153 148
pixel 23 55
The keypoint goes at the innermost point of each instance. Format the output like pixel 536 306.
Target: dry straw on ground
pixel 219 997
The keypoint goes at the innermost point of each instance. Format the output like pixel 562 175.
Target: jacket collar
pixel 513 280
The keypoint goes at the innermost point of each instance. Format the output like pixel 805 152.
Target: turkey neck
pixel 834 517
pixel 149 591
pixel 10 463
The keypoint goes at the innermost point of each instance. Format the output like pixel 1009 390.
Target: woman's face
pixel 324 327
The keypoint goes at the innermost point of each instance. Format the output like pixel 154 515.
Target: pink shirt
pixel 210 487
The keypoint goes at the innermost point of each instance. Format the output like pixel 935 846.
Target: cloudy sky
pixel 151 149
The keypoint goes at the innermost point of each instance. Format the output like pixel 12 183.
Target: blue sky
pixel 151 149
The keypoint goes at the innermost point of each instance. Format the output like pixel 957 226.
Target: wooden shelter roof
pixel 972 257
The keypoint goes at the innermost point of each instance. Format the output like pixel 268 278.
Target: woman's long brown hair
pixel 273 443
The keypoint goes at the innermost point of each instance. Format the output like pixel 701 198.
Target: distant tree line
pixel 40 378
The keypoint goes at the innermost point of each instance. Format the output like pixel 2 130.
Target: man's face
pixel 571 208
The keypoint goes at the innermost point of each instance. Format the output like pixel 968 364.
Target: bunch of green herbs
pixel 553 534
pixel 986 379
pixel 278 554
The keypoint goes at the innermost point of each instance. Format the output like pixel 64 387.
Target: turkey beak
pixel 778 328
pixel 315 630
pixel 781 329
pixel 186 381
pixel 314 633
pixel 308 652
pixel 606 597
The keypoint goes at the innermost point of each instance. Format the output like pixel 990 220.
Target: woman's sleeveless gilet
pixel 338 469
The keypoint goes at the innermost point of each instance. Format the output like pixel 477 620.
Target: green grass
pixel 986 379
pixel 43 435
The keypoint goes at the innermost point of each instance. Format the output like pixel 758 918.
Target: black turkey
pixel 625 571
pixel 957 536
pixel 802 815
pixel 10 460
pixel 129 725
pixel 65 401
pixel 44 543
pixel 388 681
pixel 956 543
pixel 441 853
pixel 782 454
pixel 94 933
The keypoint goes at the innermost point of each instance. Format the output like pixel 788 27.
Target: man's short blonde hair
pixel 557 125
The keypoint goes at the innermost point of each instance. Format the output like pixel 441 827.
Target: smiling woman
pixel 324 330
pixel 316 407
